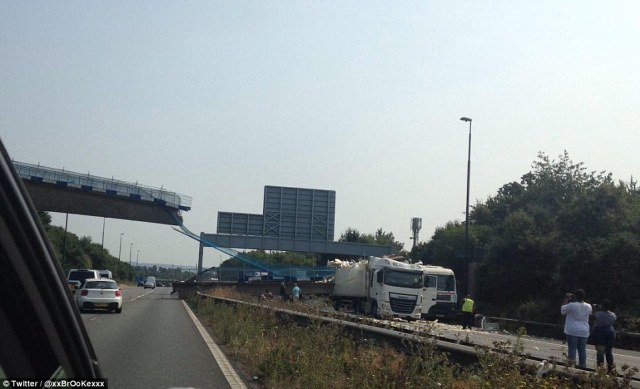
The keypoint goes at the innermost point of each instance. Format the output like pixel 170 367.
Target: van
pixel 82 274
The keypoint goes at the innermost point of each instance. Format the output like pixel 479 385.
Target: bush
pixel 537 310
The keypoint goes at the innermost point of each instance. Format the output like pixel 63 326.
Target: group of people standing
pixel 577 329
pixel 296 292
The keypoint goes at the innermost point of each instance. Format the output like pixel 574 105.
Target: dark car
pixel 41 331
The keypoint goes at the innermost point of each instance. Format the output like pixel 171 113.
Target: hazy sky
pixel 216 99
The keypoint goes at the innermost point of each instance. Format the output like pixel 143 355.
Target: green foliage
pixel 275 259
pixel 503 366
pixel 283 354
pixel 45 218
pixel 445 249
pixel 380 237
pixel 533 309
pixel 557 229
pixel 235 268
pixel 81 253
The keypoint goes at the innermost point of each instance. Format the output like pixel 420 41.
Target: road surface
pixel 155 343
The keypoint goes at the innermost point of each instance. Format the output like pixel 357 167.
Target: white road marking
pixel 142 295
pixel 232 377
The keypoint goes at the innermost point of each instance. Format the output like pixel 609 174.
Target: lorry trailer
pixel 379 287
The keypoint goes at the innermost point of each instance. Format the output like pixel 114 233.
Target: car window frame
pixel 46 322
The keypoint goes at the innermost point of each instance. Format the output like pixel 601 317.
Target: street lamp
pixel 137 254
pixel 130 247
pixel 466 213
pixel 120 250
pixel 104 221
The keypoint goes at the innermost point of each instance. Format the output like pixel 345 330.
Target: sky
pixel 216 99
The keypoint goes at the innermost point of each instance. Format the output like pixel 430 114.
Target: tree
pixel 380 237
pixel 45 218
pixel 559 228
pixel 81 253
pixel 387 239
pixel 446 247
pixel 351 235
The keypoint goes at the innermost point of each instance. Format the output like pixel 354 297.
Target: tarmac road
pixel 154 343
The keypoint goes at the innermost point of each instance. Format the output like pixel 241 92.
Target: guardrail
pixel 624 340
pixel 360 326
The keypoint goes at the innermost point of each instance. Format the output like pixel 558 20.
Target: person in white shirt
pixel 296 292
pixel 576 326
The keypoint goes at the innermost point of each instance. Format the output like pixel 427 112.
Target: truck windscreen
pixel 446 283
pixel 403 279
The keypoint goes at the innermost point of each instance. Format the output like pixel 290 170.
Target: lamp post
pixel 64 240
pixel 130 247
pixel 104 221
pixel 120 250
pixel 466 213
pixel 137 255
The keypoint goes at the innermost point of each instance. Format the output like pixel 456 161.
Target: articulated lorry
pixel 380 287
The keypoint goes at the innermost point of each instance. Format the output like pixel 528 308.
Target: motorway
pixel 154 343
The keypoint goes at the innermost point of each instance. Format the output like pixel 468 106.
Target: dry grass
pixel 282 354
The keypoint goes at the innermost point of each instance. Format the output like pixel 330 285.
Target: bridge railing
pixel 273 273
pixel 111 186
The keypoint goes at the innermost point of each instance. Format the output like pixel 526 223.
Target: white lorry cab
pixel 439 296
pixel 380 287
pixel 106 274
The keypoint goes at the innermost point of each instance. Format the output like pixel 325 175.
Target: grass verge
pixel 282 354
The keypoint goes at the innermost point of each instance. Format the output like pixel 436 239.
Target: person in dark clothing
pixel 604 335
pixel 283 291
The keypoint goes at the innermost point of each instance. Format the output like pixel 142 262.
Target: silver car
pixel 99 293
pixel 150 283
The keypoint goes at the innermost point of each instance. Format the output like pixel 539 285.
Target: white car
pixel 99 293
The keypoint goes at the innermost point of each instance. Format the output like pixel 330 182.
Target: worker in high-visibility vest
pixel 467 309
